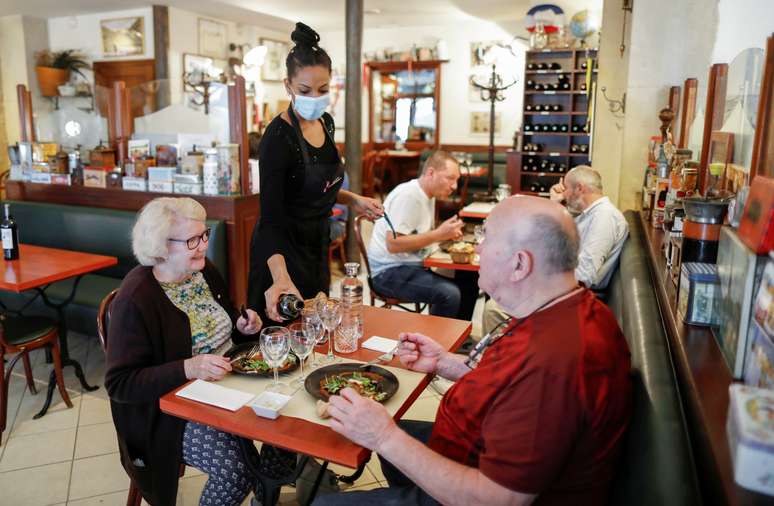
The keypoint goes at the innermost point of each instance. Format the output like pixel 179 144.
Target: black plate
pixel 242 349
pixel 388 383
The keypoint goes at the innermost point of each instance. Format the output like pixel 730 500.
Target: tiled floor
pixel 70 456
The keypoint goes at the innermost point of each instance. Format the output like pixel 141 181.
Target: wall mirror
pixel 404 102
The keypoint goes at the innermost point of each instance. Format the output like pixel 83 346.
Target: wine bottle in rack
pixel 537 107
pixel 584 148
pixel 530 84
pixel 531 66
pixel 576 128
pixel 552 167
pixel 583 86
pixel 533 187
pixel 574 148
pixel 565 86
pixel 554 128
pixel 584 65
pixel 556 107
pixel 563 128
pixel 527 107
pixel 556 66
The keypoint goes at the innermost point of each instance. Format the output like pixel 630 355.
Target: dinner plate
pixel 291 364
pixel 388 382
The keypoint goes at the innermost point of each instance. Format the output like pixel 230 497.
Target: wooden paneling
pixel 713 115
pixel 688 111
pixel 239 212
pixel 161 52
pixel 237 117
pixel 674 104
pixel 763 146
pixel 131 72
pixel 26 123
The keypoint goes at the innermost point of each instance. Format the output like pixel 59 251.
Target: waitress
pixel 301 178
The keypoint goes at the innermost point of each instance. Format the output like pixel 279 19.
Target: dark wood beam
pixel 161 52
pixel 352 127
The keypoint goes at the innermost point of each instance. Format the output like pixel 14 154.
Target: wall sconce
pixel 615 106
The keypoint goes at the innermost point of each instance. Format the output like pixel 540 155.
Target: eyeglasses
pixel 193 242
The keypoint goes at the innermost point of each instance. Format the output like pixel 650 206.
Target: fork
pixel 248 354
pixel 384 357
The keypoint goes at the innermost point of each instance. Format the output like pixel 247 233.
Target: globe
pixel 579 25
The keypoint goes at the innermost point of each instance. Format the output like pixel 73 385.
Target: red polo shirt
pixel 546 410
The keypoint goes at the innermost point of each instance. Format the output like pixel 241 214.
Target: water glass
pixel 502 192
pixel 347 335
pixel 314 328
pixel 275 347
pixel 329 311
pixel 301 344
pixel 478 233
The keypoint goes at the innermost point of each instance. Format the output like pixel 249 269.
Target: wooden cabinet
pixel 556 126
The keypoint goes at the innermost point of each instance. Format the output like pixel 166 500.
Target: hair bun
pixel 305 36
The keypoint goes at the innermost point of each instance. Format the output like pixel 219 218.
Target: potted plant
pixel 53 68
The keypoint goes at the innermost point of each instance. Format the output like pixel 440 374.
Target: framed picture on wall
pixel 273 68
pixel 479 122
pixel 212 38
pixel 123 36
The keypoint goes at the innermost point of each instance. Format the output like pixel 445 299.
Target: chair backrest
pixel 103 318
pixel 363 250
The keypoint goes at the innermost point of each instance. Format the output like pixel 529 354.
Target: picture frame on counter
pixel 273 68
pixel 212 38
pixel 123 36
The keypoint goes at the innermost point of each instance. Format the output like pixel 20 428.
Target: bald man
pixel 601 226
pixel 539 409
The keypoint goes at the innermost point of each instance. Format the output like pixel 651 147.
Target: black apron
pixel 308 229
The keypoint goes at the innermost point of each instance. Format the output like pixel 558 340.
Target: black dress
pixel 299 186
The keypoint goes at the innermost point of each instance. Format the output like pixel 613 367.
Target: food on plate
pixel 367 384
pixel 461 247
pixel 255 363
pixel 322 409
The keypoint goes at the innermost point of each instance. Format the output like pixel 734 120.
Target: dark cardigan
pixel 148 340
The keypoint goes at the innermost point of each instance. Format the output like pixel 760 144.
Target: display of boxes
pixel 192 164
pixel 141 165
pixel 756 227
pixel 750 429
pixel 138 184
pixel 95 176
pixel 166 155
pixel 699 287
pixel 165 174
pixel 759 366
pixel 764 300
pixel 188 178
pixel 161 186
pixel 41 151
pixel 40 177
pixel 138 148
pixel 188 188
pixel 63 179
pixel 114 179
pixel 740 271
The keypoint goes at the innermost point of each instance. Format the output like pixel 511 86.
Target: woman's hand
pixel 273 294
pixel 251 325
pixel 368 206
pixel 206 367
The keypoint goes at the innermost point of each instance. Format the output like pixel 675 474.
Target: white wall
pixel 84 33
pixel 455 102
pixel 741 24
pixel 183 38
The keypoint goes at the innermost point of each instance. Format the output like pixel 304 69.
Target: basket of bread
pixel 461 252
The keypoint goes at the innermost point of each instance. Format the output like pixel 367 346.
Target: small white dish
pixel 269 404
pixel 66 90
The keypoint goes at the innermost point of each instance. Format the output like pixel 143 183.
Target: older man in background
pixel 540 416
pixel 601 226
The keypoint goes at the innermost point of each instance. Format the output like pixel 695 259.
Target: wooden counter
pixel 239 212
pixel 704 379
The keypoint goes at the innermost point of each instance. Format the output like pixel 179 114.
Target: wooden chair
pixel 374 166
pixel 375 295
pixel 338 245
pixel 20 335
pixel 103 319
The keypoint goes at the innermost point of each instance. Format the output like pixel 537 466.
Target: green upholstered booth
pixel 90 230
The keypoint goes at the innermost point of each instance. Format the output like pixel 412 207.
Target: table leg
pixel 63 347
pixel 271 486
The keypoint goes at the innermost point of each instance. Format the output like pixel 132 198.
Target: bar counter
pixel 703 379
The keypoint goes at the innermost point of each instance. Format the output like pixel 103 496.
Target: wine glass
pixel 302 344
pixel 314 328
pixel 330 315
pixel 275 347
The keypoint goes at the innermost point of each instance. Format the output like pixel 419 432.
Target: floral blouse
pixel 210 324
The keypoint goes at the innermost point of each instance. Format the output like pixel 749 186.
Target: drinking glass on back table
pixel 301 344
pixel 314 328
pixel 330 314
pixel 275 347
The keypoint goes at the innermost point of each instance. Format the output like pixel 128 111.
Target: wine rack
pixel 555 129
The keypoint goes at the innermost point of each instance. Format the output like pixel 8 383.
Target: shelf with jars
pixel 555 130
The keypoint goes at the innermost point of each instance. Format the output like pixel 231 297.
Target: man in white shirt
pixel 601 227
pixel 396 261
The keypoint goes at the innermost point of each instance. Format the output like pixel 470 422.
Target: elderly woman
pixel 170 322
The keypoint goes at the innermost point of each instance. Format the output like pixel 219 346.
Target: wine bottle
pixel 552 167
pixel 530 84
pixel 530 66
pixel 556 66
pixel 537 107
pixel 576 128
pixel 527 127
pixel 584 65
pixel 542 66
pixel 538 87
pixel 533 187
pixel 556 107
pixel 583 86
pixel 584 148
pixel 563 128
pixel 10 235
pixel 554 128
pixel 289 306
pixel 528 107
pixel 574 148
